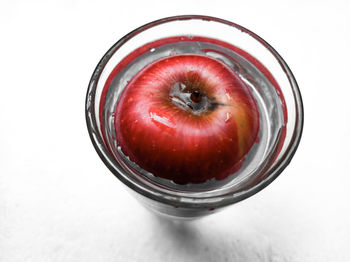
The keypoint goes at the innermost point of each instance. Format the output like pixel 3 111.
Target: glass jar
pixel 255 62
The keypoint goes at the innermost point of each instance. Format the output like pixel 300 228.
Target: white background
pixel 58 202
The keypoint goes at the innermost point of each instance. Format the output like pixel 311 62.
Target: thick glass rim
pixel 188 201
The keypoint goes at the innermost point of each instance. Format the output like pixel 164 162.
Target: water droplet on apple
pixel 228 117
pixel 152 50
pixel 161 120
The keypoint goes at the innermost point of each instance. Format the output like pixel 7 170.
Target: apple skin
pixel 187 118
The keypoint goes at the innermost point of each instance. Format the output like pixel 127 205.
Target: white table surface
pixel 58 202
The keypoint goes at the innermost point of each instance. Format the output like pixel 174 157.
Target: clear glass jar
pixel 254 60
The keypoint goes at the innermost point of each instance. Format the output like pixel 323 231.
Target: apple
pixel 187 118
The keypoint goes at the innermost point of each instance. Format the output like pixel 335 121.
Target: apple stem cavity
pixel 192 99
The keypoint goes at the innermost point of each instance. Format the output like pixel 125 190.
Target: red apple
pixel 187 118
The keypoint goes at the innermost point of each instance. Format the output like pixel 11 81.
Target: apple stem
pixel 196 96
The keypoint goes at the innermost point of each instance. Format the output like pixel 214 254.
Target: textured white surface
pixel 58 202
